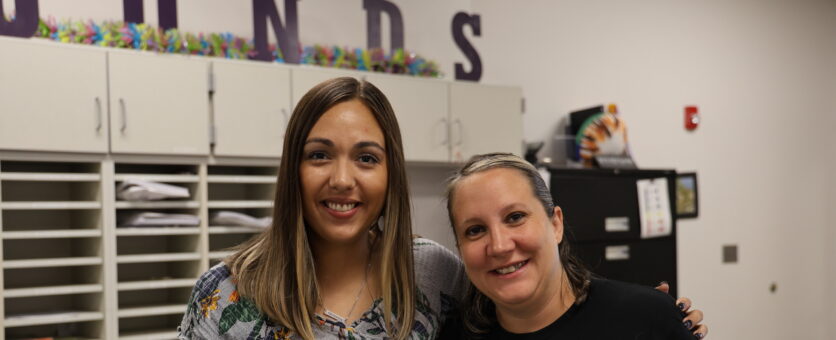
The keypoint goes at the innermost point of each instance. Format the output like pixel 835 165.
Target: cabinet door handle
pixel 124 115
pixel 458 123
pixel 98 114
pixel 446 133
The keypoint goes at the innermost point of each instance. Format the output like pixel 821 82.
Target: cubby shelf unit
pixel 242 189
pixel 51 225
pixel 156 265
pixel 72 265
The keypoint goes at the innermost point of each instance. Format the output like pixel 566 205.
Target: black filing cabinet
pixel 601 218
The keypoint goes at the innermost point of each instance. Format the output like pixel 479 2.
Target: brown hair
pixel 276 268
pixel 479 311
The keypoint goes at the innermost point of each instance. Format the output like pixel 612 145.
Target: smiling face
pixel 343 174
pixel 507 241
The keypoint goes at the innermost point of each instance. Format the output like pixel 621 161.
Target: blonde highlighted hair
pixel 276 268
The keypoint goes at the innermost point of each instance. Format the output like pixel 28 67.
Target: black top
pixel 612 310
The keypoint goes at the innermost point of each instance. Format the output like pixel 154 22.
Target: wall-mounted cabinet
pixel 421 108
pixel 53 97
pixel 78 99
pixel 251 108
pixel 419 104
pixel 484 118
pixel 440 121
pixel 158 103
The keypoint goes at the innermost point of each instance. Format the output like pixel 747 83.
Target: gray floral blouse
pixel 216 311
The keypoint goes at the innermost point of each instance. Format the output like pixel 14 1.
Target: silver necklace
pixel 336 316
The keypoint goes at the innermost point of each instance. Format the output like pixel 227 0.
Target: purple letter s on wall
pixel 26 19
pixel 459 21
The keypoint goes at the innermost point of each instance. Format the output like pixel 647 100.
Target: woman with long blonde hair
pixel 339 260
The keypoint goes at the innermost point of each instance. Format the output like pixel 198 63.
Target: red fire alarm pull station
pixel 692 118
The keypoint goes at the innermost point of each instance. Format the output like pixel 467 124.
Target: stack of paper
pixel 232 218
pixel 139 190
pixel 159 219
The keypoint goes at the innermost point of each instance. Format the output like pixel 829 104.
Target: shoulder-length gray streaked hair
pixel 479 312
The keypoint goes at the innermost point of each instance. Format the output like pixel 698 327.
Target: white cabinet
pixel 52 97
pixel 62 98
pixel 421 108
pixel 484 119
pixel 440 121
pixel 251 105
pixel 419 104
pixel 159 104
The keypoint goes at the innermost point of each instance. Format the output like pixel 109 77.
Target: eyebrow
pixel 365 144
pixel 359 145
pixel 325 141
pixel 505 210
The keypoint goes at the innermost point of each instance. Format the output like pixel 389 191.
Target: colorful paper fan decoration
pixel 226 45
pixel 602 134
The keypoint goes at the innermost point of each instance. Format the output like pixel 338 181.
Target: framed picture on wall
pixel 687 196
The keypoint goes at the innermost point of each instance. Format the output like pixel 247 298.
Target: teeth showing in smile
pixel 341 207
pixel 510 269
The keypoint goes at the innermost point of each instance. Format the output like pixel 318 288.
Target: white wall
pixel 759 72
pixel 762 73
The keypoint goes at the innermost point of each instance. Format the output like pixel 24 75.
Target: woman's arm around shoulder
pixel 438 268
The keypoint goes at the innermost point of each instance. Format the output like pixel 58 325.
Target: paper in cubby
pixel 148 218
pixel 232 218
pixel 139 190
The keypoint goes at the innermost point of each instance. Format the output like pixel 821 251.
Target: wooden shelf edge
pixel 155 284
pixel 161 257
pixel 156 231
pixel 50 318
pixel 50 205
pixel 151 310
pixel 162 334
pixel 52 262
pixel 50 177
pixel 52 233
pixel 53 290
pixel 158 178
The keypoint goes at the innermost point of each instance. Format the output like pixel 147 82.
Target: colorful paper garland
pixel 145 37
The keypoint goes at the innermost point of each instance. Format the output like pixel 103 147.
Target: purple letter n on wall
pixel 26 19
pixel 287 35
